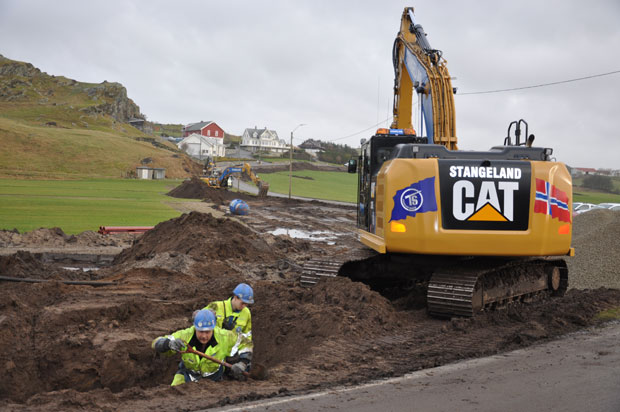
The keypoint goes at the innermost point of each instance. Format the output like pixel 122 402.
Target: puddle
pixel 316 235
pixel 82 269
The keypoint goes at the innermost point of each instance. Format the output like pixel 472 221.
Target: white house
pixel 254 140
pixel 202 146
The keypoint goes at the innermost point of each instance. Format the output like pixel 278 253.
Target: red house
pixel 210 129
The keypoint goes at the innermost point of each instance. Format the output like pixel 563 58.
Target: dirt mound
pixel 56 237
pixel 197 189
pixel 26 265
pixel 306 317
pixel 596 239
pixel 202 237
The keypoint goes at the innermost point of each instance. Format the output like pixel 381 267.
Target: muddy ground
pixel 68 347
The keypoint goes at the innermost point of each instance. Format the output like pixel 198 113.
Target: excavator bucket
pixel 263 188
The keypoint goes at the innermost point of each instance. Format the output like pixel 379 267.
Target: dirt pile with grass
pixel 56 237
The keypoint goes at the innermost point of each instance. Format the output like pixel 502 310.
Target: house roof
pixel 251 131
pixel 586 169
pixel 259 132
pixel 194 127
pixel 210 141
pixel 311 144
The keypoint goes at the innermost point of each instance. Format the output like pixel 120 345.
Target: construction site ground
pixel 78 347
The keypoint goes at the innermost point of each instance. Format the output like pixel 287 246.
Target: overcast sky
pixel 327 63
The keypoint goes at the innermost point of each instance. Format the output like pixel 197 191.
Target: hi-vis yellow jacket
pixel 225 339
pixel 240 322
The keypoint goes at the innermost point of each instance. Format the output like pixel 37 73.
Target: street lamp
pixel 290 165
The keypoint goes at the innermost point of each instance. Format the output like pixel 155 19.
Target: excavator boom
pixel 421 69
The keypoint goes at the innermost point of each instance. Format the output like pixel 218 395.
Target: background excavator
pixel 474 228
pixel 220 179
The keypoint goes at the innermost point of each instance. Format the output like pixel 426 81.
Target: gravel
pixel 596 239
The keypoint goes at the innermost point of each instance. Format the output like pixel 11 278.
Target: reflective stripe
pixel 240 338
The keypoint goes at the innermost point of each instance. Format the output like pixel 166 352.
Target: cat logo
pixel 486 207
pixel 490 196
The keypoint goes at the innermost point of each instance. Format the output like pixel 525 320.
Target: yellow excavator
pixel 217 179
pixel 477 229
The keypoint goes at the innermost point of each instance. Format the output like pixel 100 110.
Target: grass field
pixel 79 205
pixel 584 195
pixel 309 183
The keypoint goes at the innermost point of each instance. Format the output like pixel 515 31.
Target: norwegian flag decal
pixel 551 201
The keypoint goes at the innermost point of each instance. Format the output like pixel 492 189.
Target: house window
pixel 216 132
pixel 208 132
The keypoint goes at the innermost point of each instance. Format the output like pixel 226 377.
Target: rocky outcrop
pixel 22 81
pixel 115 102
pixel 13 68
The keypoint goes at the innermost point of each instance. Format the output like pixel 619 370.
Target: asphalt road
pixel 250 188
pixel 580 372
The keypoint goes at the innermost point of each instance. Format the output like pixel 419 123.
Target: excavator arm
pixel 263 187
pixel 419 67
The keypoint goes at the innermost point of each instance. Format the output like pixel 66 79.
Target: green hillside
pixel 55 127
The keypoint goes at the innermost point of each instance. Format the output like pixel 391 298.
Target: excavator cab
pixel 374 153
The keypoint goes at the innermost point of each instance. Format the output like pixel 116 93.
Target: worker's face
pixel 204 336
pixel 237 304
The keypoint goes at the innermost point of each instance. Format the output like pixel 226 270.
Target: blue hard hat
pixel 204 320
pixel 244 292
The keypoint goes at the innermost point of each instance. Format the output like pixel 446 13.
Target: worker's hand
pixel 237 370
pixel 176 345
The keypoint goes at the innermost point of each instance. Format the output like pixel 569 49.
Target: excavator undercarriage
pixel 451 285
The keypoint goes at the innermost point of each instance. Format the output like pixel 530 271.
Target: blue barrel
pixel 239 207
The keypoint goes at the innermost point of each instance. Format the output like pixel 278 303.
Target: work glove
pixel 237 370
pixel 176 345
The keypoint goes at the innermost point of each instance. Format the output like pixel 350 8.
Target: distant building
pixel 254 140
pixel 143 172
pixel 580 171
pixel 209 129
pixel 140 124
pixel 199 146
pixel 137 123
pixel 313 147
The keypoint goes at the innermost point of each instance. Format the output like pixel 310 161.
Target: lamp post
pixel 290 165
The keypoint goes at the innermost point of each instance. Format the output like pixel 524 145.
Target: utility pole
pixel 290 165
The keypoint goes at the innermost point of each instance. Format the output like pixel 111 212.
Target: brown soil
pixel 197 189
pixel 88 348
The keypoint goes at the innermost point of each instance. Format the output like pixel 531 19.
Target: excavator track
pixel 466 291
pixel 316 269
pixel 457 286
